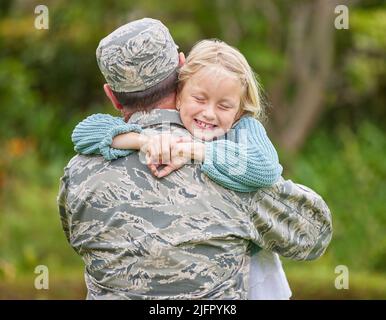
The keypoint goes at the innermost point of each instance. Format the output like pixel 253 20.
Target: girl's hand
pixel 158 149
pixel 182 151
pixel 173 152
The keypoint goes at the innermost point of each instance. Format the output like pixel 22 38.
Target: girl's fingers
pixel 153 169
pixel 148 157
pixel 152 155
pixel 165 149
pixel 161 149
pixel 165 171
pixel 183 139
pixel 155 150
pixel 183 150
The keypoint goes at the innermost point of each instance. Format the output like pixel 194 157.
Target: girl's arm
pixel 95 134
pixel 245 164
pixel 130 140
pixel 184 153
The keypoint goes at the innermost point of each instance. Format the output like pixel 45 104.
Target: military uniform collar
pixel 156 117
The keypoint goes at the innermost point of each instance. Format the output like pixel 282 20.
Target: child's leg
pixel 267 280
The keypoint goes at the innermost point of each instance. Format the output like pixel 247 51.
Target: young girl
pixel 217 92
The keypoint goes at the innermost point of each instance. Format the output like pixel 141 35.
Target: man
pixel 181 237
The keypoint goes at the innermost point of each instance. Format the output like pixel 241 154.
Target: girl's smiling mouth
pixel 204 125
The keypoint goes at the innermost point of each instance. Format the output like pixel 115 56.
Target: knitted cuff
pixel 105 148
pixel 210 154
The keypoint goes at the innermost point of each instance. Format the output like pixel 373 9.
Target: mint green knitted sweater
pixel 244 160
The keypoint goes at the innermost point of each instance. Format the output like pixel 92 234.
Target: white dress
pixel 267 280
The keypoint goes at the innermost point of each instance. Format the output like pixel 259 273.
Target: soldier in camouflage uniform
pixel 183 236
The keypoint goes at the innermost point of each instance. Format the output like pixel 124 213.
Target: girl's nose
pixel 209 113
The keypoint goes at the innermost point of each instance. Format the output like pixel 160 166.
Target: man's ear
pixel 113 99
pixel 181 57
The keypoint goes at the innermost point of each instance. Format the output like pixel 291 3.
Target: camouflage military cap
pixel 137 55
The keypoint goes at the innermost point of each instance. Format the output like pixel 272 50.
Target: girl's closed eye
pixel 199 99
pixel 225 106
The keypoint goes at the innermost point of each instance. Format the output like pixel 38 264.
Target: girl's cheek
pixel 194 108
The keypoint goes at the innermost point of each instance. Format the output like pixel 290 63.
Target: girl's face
pixel 209 102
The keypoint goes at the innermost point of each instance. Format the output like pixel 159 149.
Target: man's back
pixel 153 238
pixel 182 236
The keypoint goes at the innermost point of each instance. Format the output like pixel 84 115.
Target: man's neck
pixel 168 102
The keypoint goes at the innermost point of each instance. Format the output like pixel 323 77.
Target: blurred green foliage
pixel 49 81
pixel 348 170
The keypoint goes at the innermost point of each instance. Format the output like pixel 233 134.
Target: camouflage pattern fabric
pixel 183 236
pixel 137 55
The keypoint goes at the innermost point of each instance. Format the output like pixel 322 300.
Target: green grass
pixel 318 282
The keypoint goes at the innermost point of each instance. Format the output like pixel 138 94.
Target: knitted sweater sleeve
pixel 247 162
pixel 95 134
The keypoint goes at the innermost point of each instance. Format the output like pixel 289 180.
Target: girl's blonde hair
pixel 218 53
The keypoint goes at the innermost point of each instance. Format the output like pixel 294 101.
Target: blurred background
pixel 326 88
